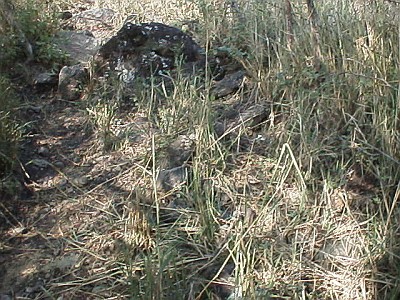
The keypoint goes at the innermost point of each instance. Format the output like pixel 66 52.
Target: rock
pixel 80 181
pixel 248 116
pixel 65 15
pixel 100 20
pixel 34 109
pixel 80 46
pixel 71 81
pixel 62 182
pixel 20 230
pixel 59 164
pixel 230 124
pixel 228 85
pixel 45 80
pixel 254 115
pixel 343 251
pixel 180 151
pixel 117 169
pixel 98 289
pixel 172 178
pixel 148 49
pixel 40 163
pixel 96 18
pixel 43 151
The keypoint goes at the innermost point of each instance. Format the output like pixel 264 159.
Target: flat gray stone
pixel 228 85
pixel 79 46
pixel 45 79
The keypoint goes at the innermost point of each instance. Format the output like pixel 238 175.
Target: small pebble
pixel 35 109
pixel 65 15
pixel 98 289
pixel 81 181
pixel 21 230
pixel 117 169
pixel 62 182
pixel 56 252
pixel 43 151
pixel 40 163
pixel 46 209
pixel 59 165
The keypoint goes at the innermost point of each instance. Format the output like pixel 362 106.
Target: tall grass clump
pixel 332 87
pixel 26 32
pixel 320 223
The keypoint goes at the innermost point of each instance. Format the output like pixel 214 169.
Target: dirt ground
pixel 58 171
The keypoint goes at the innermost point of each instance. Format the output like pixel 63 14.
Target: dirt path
pixel 52 156
pixel 76 187
pixel 65 179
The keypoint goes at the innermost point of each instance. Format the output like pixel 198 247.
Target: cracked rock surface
pixel 148 49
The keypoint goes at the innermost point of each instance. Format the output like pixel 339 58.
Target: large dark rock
pixel 149 49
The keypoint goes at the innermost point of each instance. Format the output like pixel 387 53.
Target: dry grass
pixel 310 212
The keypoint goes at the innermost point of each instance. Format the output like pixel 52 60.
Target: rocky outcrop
pixel 149 49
